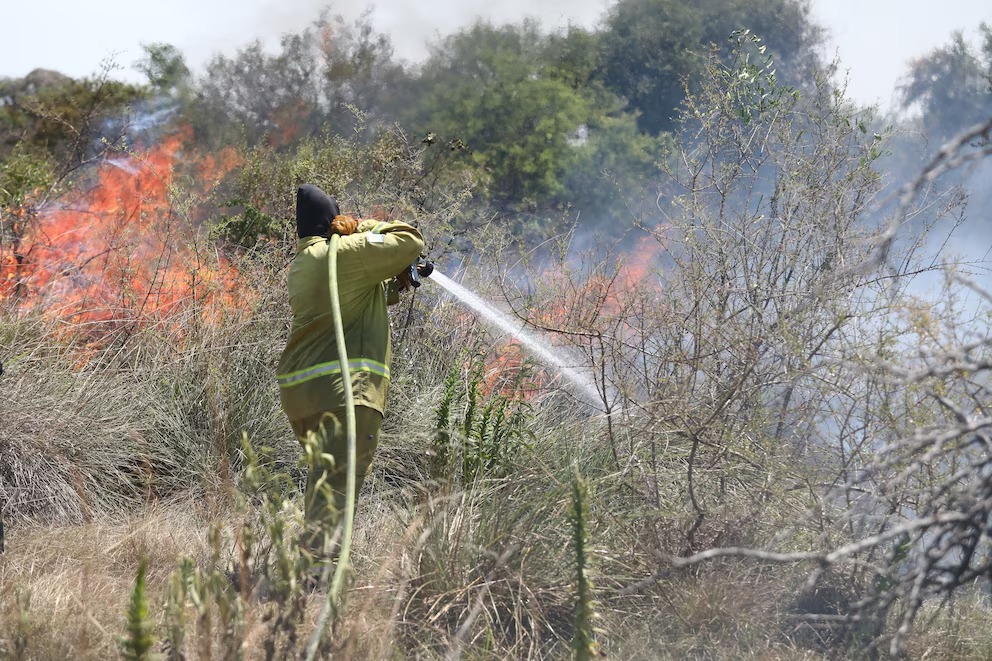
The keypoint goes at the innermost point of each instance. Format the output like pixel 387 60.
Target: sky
pixel 874 39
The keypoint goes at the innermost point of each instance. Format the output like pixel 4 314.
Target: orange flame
pixel 507 374
pixel 580 303
pixel 124 249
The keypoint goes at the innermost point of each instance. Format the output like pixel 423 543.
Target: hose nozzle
pixel 420 268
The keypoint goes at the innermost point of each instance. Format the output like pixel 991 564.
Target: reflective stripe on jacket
pixel 310 371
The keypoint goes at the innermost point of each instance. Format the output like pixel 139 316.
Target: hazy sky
pixel 873 38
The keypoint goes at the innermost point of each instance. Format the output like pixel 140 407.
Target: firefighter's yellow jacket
pixel 309 372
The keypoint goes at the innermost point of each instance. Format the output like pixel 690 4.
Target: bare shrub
pixel 769 379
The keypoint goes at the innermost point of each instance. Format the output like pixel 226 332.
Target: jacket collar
pixel 308 241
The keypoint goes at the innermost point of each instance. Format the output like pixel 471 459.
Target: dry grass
pixel 428 557
pixel 136 455
pixel 79 577
pixel 958 629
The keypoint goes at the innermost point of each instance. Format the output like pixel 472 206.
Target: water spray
pixel 547 354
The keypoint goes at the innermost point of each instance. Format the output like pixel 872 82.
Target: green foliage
pixel 540 130
pixel 24 173
pixel 653 50
pixel 217 605
pixel 486 88
pixel 137 644
pixel 175 611
pixel 274 550
pixel 478 434
pixel 372 174
pixel 751 80
pixel 584 645
pixel 62 117
pixel 246 228
pixel 494 442
pixel 165 67
pixel 648 53
pixel 440 453
pixel 268 564
pixel 573 58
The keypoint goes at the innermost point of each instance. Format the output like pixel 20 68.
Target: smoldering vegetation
pixel 781 300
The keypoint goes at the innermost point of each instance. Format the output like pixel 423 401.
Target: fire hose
pixel 349 411
pixel 414 272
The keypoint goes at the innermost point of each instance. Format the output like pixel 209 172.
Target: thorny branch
pixel 937 541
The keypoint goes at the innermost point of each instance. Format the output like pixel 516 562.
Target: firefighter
pixel 373 261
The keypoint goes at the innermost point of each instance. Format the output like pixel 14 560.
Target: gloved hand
pixel 343 225
pixel 403 280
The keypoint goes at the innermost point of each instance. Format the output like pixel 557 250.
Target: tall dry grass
pixel 130 449
pixel 481 567
pixel 478 567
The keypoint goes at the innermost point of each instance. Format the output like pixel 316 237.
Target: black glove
pixel 404 279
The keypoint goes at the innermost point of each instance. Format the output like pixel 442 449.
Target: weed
pixel 584 642
pixel 137 644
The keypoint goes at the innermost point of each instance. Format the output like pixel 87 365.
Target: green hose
pixel 349 410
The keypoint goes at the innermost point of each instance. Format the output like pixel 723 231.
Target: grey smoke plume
pixel 412 26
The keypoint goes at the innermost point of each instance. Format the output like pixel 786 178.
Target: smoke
pixel 973 240
pixel 412 26
pixel 958 206
pixel 875 48
pixel 201 30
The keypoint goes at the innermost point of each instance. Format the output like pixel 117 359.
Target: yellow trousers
pixel 327 474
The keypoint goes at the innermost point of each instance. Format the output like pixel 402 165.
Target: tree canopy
pixel 51 124
pixel 538 125
pixel 545 121
pixel 653 50
pixel 952 85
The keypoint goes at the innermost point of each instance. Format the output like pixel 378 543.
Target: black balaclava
pixel 315 210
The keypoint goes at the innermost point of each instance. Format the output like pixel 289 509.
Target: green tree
pixel 68 120
pixel 653 49
pixel 165 67
pixel 951 86
pixel 538 128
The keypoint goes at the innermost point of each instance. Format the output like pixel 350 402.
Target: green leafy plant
pixel 175 610
pixel 22 627
pixel 440 453
pixel 477 433
pixel 138 642
pixel 267 564
pixel 584 644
